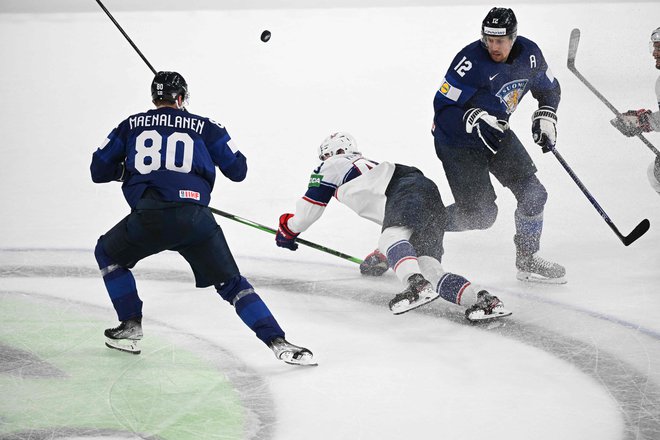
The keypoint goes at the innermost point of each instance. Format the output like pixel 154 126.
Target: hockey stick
pixel 572 52
pixel 126 36
pixel 639 230
pixel 273 231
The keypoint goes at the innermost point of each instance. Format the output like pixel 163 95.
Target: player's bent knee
pixel 234 289
pixel 533 196
pixel 106 264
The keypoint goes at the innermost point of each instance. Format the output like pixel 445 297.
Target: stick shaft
pixel 126 36
pixel 274 231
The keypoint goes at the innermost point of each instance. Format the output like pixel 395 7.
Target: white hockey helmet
pixel 337 143
pixel 655 38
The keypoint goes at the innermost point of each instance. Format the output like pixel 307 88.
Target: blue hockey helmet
pixel 168 86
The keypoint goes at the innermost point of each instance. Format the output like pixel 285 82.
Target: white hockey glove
pixel 486 127
pixel 544 127
pixel 633 122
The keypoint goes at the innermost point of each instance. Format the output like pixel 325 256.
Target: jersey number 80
pixel 148 155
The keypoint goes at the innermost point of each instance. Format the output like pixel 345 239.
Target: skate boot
pixel 124 337
pixel 418 293
pixel 538 270
pixel 291 354
pixel 486 308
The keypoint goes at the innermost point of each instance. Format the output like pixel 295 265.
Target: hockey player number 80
pixel 148 146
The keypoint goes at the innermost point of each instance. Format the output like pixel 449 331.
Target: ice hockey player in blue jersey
pixel 481 89
pixel 166 159
pixel 634 122
pixel 408 207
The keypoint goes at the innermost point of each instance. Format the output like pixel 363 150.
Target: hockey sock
pixel 401 256
pixel 250 308
pixel 120 284
pixel 528 233
pixel 456 289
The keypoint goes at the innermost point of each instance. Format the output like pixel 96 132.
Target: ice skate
pixel 487 307
pixel 292 354
pixel 418 293
pixel 125 336
pixel 535 269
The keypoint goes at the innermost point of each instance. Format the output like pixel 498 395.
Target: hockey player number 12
pixel 148 146
pixel 463 66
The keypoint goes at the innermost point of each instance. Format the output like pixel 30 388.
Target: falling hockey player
pixel 481 89
pixel 408 207
pixel 166 158
pixel 634 122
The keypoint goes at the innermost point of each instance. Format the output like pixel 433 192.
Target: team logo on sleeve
pixel 315 180
pixel 511 93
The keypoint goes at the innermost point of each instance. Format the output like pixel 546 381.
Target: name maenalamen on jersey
pixel 165 120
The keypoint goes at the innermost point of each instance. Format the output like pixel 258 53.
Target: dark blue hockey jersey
pixel 474 80
pixel 170 150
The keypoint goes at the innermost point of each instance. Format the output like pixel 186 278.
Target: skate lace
pixel 542 263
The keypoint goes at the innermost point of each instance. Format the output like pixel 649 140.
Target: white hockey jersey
pixel 354 180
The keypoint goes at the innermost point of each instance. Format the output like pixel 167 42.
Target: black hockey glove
pixel 486 127
pixel 633 122
pixel 544 127
pixel 285 237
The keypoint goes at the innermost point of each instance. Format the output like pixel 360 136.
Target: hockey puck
pixel 265 36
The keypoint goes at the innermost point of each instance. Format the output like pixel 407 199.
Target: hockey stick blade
pixel 573 43
pixel 639 230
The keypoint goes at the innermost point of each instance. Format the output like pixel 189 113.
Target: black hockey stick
pixel 217 211
pixel 273 231
pixel 639 230
pixel 126 36
pixel 572 52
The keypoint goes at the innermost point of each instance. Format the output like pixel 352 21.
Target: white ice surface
pixel 586 353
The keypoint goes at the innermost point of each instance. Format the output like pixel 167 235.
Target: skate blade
pixel 403 306
pixel 480 316
pixel 305 358
pixel 126 345
pixel 529 277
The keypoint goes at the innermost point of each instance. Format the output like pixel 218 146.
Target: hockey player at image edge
pixel 481 89
pixel 166 159
pixel 634 122
pixel 410 211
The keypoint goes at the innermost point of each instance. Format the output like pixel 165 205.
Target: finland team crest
pixel 511 93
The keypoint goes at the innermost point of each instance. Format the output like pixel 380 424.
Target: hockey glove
pixel 374 264
pixel 633 122
pixel 486 127
pixel 544 128
pixel 285 237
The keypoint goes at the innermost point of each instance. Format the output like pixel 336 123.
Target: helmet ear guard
pixel 337 143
